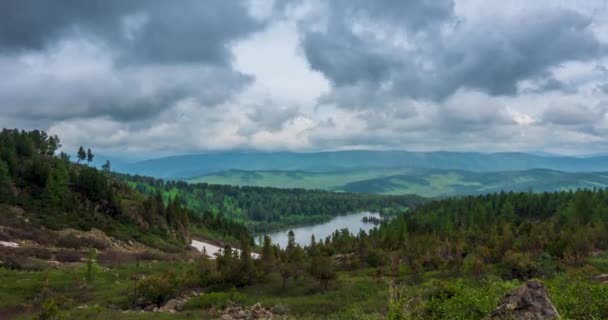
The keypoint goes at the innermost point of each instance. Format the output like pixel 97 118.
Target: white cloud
pixel 283 80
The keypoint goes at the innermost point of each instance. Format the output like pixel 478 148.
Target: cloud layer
pixel 146 78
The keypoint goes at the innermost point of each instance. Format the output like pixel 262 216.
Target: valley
pixel 303 160
pixel 78 242
pixel 419 181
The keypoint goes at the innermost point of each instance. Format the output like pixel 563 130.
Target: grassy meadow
pixel 423 182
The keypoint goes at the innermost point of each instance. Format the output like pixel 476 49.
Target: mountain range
pixel 196 165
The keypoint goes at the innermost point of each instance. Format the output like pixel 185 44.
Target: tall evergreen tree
pixel 246 263
pixel 81 154
pixel 268 258
pixel 89 156
pixel 5 182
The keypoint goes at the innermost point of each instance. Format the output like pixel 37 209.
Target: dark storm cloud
pixel 443 53
pixel 124 95
pixel 169 31
pixel 574 115
pixel 271 117
pixel 125 60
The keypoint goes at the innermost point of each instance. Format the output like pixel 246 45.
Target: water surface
pixel 351 221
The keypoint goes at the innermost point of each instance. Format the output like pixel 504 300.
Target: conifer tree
pixel 5 181
pixel 81 154
pixel 89 156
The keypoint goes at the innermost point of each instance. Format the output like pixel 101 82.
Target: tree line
pixel 513 235
pixel 59 193
pixel 263 208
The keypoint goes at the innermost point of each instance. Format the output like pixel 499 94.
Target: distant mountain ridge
pixel 420 181
pixel 194 165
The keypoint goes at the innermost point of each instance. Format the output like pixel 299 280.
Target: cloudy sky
pixel 145 78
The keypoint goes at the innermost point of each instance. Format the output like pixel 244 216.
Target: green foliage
pixel 5 182
pixel 526 234
pixel 462 301
pixel 57 194
pixel 421 181
pixel 265 209
pixel 155 289
pixel 51 311
pixel 576 297
pixel 81 154
pixel 321 268
pixel 91 264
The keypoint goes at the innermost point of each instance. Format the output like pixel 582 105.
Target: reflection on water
pixel 353 222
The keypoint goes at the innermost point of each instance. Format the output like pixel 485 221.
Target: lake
pixel 351 221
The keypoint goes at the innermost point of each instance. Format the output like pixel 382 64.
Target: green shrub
pixel 155 289
pixel 51 311
pixel 578 298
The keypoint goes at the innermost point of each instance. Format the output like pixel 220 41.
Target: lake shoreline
pixel 353 222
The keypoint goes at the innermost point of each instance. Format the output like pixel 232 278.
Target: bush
pixel 466 300
pixel 577 298
pixel 519 265
pixel 155 289
pixel 73 242
pixel 51 311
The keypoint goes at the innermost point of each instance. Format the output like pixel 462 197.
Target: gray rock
pixel 172 304
pixel 528 302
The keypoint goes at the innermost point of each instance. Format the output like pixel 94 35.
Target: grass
pixel 295 179
pixel 352 295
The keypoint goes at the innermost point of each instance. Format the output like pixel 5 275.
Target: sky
pixel 147 78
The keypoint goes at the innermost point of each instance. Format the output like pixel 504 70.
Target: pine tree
pixel 322 269
pixel 5 182
pixel 267 255
pixel 82 155
pixel 57 189
pixel 247 269
pixel 53 144
pixel 89 156
pixel 291 240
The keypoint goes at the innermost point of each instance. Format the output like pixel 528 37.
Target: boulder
pixel 528 302
pixel 172 304
pixel 150 308
pixel 253 312
pixel 602 278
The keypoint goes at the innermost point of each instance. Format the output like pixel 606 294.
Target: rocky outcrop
pixel 172 305
pixel 603 278
pixel 253 312
pixel 528 302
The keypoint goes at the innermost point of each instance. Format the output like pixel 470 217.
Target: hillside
pixel 46 197
pixel 263 209
pixel 423 182
pixel 195 165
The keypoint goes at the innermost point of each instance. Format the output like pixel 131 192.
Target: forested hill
pixel 264 208
pixel 527 234
pixel 48 190
pixel 188 166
